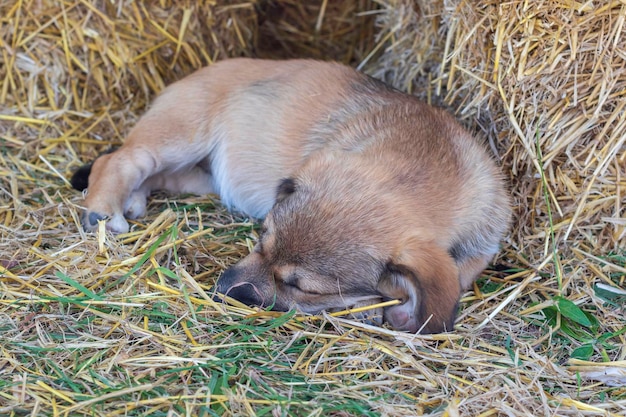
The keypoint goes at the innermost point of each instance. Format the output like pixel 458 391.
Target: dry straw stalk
pixel 104 325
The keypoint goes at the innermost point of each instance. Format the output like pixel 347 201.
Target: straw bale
pixel 536 75
pixel 104 325
pixel 322 29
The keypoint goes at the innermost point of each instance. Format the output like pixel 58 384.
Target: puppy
pixel 367 193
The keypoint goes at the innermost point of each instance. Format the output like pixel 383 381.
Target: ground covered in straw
pixel 94 324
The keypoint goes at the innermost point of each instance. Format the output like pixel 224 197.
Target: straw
pixel 96 324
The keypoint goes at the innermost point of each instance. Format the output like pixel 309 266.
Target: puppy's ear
pixel 425 278
pixel 285 189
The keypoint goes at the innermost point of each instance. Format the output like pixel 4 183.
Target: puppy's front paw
pixel 136 205
pixel 115 224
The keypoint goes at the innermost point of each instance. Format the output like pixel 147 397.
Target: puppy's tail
pixel 80 178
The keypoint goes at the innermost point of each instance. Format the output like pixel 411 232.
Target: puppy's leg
pixel 194 180
pixel 115 186
pixel 135 206
pixel 120 183
pixel 161 152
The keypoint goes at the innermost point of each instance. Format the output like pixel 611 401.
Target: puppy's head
pixel 331 244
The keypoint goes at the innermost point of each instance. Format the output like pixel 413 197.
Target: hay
pixel 104 325
pixel 328 30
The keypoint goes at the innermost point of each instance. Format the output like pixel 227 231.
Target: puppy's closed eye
pixel 292 283
pixel 287 279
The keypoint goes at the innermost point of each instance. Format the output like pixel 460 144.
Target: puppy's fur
pixel 367 193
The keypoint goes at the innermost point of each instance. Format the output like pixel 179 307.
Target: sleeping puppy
pixel 367 193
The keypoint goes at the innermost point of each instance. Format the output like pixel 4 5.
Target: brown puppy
pixel 367 193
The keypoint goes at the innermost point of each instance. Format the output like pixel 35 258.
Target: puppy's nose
pixel 243 291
